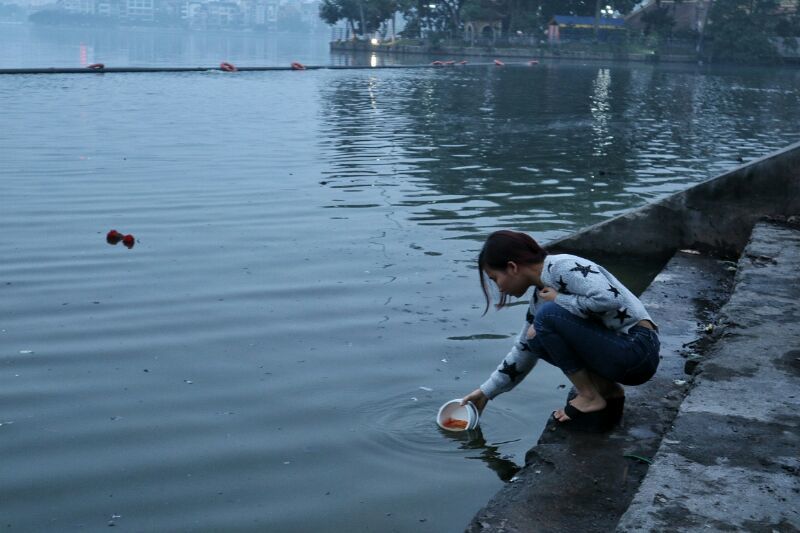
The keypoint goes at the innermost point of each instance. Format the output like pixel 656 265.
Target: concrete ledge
pixel 716 215
pixel 731 461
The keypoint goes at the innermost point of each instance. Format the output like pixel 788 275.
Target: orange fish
pixel 454 423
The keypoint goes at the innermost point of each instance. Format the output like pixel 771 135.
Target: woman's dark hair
pixel 500 248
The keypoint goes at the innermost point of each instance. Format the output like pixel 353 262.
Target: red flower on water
pixel 113 237
pixel 128 241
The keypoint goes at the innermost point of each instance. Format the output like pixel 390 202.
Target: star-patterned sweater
pixel 584 289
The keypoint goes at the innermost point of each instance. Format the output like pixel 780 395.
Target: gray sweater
pixel 585 289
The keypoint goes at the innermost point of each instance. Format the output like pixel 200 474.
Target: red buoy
pixel 128 241
pixel 96 66
pixel 227 67
pixel 463 62
pixel 499 63
pixel 437 64
pixel 113 237
pixel 298 66
pixel 450 62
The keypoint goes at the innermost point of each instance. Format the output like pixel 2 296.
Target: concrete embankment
pixel 574 481
pixel 521 52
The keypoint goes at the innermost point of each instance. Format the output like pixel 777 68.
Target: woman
pixel 581 319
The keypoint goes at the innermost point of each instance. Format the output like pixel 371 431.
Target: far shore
pixel 514 52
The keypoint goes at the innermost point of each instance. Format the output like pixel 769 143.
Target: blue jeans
pixel 573 343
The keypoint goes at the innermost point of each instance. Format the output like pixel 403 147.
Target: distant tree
pixel 789 26
pixel 658 21
pixel 332 11
pixel 740 30
pixel 10 11
pixel 363 16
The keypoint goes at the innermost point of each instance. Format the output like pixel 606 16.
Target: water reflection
pixel 600 111
pixel 489 453
pixel 545 149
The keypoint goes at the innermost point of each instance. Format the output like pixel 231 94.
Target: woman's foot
pixel 583 403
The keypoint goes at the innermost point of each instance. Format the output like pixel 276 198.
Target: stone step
pixel 731 461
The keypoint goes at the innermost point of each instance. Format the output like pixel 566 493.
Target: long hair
pixel 500 248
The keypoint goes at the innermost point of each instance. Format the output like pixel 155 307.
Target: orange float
pixel 298 66
pixel 499 63
pixel 437 64
pixel 227 67
pixel 96 66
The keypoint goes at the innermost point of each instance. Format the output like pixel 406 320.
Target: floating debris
pixel 679 382
pixel 26 352
pixel 426 389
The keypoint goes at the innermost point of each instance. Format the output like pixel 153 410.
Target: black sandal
pixel 595 421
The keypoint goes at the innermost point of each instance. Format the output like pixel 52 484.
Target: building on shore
pixel 196 14
pixel 574 28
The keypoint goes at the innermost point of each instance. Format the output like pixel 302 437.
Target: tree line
pixel 735 30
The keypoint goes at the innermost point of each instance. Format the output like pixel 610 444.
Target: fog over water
pixel 302 296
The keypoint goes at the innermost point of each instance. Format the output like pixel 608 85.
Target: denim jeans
pixel 573 343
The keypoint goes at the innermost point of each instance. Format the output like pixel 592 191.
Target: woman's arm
pixel 519 361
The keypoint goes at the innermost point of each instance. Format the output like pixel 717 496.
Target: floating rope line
pixel 100 68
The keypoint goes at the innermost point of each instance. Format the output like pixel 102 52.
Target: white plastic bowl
pixel 454 410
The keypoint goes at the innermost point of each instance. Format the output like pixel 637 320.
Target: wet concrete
pixel 584 482
pixel 731 460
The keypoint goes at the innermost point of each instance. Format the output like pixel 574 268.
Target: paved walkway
pixel 732 459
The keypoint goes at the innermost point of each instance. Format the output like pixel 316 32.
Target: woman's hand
pixel 548 294
pixel 478 398
pixel 531 332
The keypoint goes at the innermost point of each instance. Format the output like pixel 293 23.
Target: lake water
pixel 302 296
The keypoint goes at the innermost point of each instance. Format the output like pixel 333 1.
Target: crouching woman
pixel 580 319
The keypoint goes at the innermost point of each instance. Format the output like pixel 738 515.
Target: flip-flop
pixel 596 421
